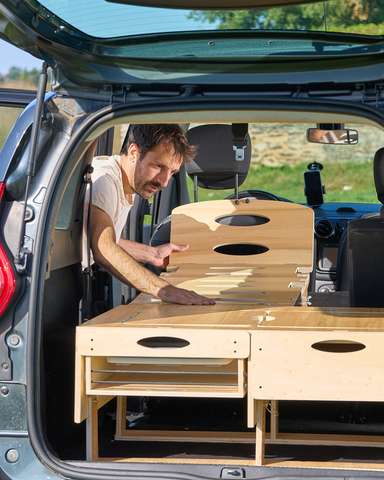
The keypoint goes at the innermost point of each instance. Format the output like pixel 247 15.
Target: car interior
pixel 346 270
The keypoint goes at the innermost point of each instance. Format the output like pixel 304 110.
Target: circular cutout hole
pixel 241 249
pixel 163 342
pixel 242 220
pixel 338 346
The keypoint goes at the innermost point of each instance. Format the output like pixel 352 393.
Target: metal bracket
pixel 239 152
pixel 232 473
pixel 5 361
pixel 22 262
pixel 375 91
pixel 115 92
pixel 240 141
pixel 88 175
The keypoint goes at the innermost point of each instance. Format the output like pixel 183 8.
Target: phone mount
pixel 313 187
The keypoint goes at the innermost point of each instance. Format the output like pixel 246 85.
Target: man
pixel 150 155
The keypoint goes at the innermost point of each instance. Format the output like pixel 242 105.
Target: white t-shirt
pixel 108 195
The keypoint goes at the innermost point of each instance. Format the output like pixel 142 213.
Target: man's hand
pixel 125 268
pixel 171 294
pixel 162 252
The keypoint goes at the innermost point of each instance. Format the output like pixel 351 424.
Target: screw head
pixel 5 366
pixel 14 340
pixel 12 455
pixel 29 214
pixel 4 390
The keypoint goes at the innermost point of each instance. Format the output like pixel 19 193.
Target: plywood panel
pixel 288 234
pixel 323 318
pixel 287 365
pixel 195 343
pixel 181 316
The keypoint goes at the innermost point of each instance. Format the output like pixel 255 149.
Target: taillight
pixel 7 278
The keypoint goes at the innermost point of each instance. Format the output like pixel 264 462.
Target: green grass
pixel 344 182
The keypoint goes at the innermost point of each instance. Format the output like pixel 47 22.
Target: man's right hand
pixel 171 294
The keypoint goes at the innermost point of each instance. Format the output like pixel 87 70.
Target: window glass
pixel 8 117
pixel 99 18
pixel 281 154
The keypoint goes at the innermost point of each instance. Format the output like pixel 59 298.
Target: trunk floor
pixel 350 418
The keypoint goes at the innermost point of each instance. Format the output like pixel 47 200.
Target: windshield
pixel 281 154
pixel 102 19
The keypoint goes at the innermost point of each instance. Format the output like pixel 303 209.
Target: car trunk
pixel 210 436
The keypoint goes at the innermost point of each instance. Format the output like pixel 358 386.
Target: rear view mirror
pixel 338 137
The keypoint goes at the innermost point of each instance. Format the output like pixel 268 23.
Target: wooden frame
pixel 254 333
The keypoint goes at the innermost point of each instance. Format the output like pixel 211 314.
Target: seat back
pixel 215 166
pixel 365 244
pixel 361 251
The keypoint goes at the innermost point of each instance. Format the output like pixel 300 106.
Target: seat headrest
pixel 215 164
pixel 378 173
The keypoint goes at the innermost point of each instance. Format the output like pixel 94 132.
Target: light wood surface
pixel 126 317
pixel 287 366
pixel 288 234
pixel 323 318
pixel 213 381
pixel 253 340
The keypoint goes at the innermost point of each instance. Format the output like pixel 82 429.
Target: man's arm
pixel 156 256
pixel 121 265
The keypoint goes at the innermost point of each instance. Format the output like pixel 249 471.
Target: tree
pixel 340 14
pixel 14 73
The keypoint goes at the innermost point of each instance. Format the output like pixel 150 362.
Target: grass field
pixel 344 182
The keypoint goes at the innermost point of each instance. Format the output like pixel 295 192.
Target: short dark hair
pixel 149 136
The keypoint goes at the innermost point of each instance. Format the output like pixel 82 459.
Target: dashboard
pixel 331 220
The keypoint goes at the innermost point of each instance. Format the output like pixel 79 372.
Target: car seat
pixel 360 265
pixel 215 166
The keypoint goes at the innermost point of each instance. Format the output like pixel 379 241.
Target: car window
pixel 281 154
pixel 107 19
pixel 8 117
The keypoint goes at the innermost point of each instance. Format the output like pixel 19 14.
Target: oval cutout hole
pixel 241 249
pixel 338 346
pixel 242 220
pixel 163 342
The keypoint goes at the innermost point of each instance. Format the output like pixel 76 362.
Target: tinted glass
pixel 99 18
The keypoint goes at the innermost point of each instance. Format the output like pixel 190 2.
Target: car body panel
pixel 202 58
pixel 100 83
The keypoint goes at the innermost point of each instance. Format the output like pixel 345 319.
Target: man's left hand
pixel 162 252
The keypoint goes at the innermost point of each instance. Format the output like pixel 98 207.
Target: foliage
pixel 344 182
pixel 340 15
pixel 8 117
pixel 23 75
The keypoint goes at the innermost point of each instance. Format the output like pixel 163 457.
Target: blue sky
pixel 11 56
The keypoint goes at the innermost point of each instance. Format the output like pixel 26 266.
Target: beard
pixel 146 190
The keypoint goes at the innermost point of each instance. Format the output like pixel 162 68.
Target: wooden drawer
pixel 162 342
pixel 317 365
pixel 225 378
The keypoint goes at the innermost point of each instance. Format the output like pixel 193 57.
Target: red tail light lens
pixel 7 278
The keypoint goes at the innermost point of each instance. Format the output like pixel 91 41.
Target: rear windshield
pixel 102 19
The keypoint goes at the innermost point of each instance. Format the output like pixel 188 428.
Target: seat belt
pixel 240 143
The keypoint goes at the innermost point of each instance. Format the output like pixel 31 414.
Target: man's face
pixel 152 172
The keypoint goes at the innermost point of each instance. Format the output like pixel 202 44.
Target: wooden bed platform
pixel 259 340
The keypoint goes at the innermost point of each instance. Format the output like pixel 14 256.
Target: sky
pixel 11 56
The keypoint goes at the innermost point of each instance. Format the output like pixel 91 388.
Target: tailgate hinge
pixel 119 92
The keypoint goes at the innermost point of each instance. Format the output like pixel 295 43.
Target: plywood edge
pixel 81 402
pixel 326 465
pixel 187 436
